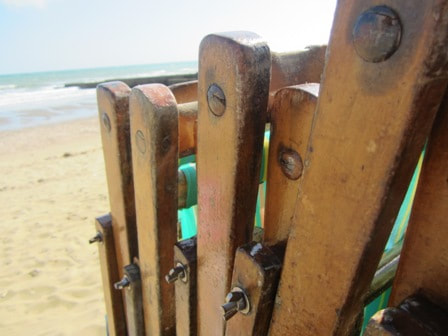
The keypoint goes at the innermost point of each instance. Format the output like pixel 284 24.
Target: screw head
pixel 290 163
pixel 216 100
pixel 106 121
pixel 377 34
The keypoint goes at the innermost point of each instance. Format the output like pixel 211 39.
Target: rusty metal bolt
pixel 178 272
pixel 123 283
pixel 98 238
pixel 290 163
pixel 106 121
pixel 131 275
pixel 236 301
pixel 216 100
pixel 377 34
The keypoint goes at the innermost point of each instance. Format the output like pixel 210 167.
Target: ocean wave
pixel 47 95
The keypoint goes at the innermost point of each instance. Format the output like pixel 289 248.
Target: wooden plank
pixel 188 115
pixel 185 258
pixel 154 129
pixel 234 71
pixel 382 87
pixel 116 323
pixel 291 120
pixel 424 257
pixel 113 108
pixel 185 92
pixel 256 271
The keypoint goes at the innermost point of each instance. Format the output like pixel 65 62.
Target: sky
pixel 47 35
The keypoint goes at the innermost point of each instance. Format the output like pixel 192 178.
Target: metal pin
pixel 124 282
pixel 98 238
pixel 236 301
pixel 178 272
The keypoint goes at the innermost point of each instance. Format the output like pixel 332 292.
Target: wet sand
pixel 52 186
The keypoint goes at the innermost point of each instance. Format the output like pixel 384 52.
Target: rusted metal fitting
pixel 178 272
pixel 131 274
pixel 377 34
pixel 236 301
pixel 216 100
pixel 290 163
pixel 106 121
pixel 98 238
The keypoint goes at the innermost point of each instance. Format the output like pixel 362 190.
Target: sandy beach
pixel 52 186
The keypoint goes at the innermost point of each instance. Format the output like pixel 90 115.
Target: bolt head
pixel 291 163
pixel 106 121
pixel 377 34
pixel 216 100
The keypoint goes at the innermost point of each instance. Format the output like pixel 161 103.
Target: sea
pixel 41 98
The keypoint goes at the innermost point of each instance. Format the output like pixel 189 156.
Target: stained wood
pixel 113 108
pixel 228 160
pixel 154 130
pixel 188 115
pixel 291 119
pixel 372 122
pixel 116 322
pixel 256 271
pixel 186 291
pixel 185 92
pixel 424 257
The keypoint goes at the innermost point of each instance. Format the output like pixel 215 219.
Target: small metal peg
pixel 98 238
pixel 236 301
pixel 176 273
pixel 123 283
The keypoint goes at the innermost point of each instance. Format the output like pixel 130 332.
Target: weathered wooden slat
pixel 291 120
pixel 424 258
pixel 113 108
pixel 184 275
pixel 234 71
pixel 383 82
pixel 188 115
pixel 256 271
pixel 186 92
pixel 154 135
pixel 116 323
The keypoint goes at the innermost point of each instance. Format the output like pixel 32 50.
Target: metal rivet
pixel 140 141
pixel 377 34
pixel 98 238
pixel 290 163
pixel 178 272
pixel 106 121
pixel 216 100
pixel 236 301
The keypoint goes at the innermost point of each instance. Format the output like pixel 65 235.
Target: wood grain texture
pixel 256 271
pixel 291 120
pixel 186 291
pixel 113 108
pixel 228 161
pixel 154 130
pixel 188 116
pixel 371 123
pixel 185 92
pixel 116 322
pixel 424 257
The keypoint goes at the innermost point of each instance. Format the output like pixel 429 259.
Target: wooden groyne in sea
pixel 131 82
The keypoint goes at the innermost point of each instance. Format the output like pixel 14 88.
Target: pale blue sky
pixel 42 35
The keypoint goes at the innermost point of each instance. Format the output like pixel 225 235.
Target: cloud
pixel 26 3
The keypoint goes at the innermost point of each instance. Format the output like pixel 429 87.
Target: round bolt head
pixel 291 163
pixel 106 121
pixel 377 34
pixel 216 100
